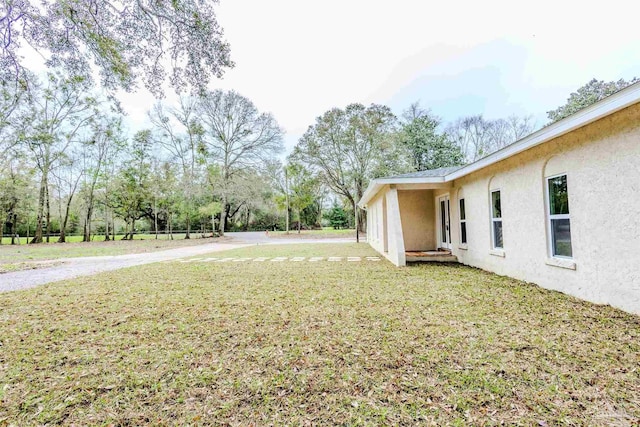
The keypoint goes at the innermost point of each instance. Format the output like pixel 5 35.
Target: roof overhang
pixel 616 102
pixel 418 183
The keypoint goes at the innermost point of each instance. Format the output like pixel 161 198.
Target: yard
pixel 25 256
pixel 319 343
pixel 326 232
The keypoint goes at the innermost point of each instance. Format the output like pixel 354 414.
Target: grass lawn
pixel 316 234
pixel 15 254
pixel 326 343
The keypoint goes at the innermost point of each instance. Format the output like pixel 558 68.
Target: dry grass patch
pixel 313 343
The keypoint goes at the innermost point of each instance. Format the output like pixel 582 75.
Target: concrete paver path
pixel 70 268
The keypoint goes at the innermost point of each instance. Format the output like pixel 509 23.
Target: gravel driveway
pixel 86 266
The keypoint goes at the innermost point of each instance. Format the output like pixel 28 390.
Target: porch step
pixel 430 256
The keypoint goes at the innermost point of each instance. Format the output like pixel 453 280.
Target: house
pixel 559 208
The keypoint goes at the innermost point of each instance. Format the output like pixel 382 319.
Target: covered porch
pixel 410 223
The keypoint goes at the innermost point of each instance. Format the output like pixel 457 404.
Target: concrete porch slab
pixel 430 256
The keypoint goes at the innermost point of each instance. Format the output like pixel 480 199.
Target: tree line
pixel 211 162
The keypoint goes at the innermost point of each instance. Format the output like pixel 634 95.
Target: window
pixel 496 220
pixel 463 223
pixel 559 221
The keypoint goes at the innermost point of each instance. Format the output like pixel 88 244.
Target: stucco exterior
pixel 417 215
pixel 602 163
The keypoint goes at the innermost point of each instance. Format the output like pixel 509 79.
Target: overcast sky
pixel 298 59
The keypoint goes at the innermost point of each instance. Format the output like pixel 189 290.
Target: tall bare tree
pixel 237 137
pixel 478 137
pixel 180 134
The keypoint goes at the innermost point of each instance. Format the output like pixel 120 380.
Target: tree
pixel 96 153
pixel 15 191
pixel 183 146
pixel 67 177
pixel 279 180
pixel 131 194
pixel 128 40
pixel 337 217
pixel 61 110
pixel 346 148
pixel 478 137
pixel 427 148
pixel 589 94
pixel 237 138
pixel 302 189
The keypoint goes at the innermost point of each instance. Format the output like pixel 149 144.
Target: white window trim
pixel 493 220
pixel 463 245
pixel 557 216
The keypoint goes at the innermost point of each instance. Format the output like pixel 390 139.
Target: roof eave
pixel 376 185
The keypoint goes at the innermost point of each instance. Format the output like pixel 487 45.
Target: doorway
pixel 444 222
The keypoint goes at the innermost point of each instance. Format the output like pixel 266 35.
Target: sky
pixel 297 59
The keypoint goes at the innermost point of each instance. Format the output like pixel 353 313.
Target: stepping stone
pixel 373 258
pixel 260 259
pixel 316 258
pixel 190 260
pixel 335 258
pixel 241 259
pixel 279 259
pixel 297 259
pixel 225 259
pixel 209 259
pixel 354 258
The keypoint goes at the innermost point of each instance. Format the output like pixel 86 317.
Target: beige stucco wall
pixel 376 221
pixel 602 163
pixel 417 212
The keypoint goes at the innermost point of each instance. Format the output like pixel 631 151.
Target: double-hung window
pixel 496 220
pixel 463 223
pixel 559 221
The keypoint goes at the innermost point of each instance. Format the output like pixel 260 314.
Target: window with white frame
pixel 559 220
pixel 496 220
pixel 463 223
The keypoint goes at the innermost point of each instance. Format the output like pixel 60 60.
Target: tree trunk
pixel 223 215
pixel 170 226
pixel 188 236
pixel 48 214
pixel 155 217
pixel 63 227
pixel 13 230
pixel 126 229
pixel 299 220
pixel 37 237
pixel 87 221
pixel 106 225
pixel 245 226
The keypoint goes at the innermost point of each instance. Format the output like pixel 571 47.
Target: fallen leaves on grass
pixel 313 344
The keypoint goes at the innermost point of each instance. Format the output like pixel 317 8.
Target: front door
pixel 444 221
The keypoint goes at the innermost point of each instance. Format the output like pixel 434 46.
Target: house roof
pixel 427 173
pixel 605 107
